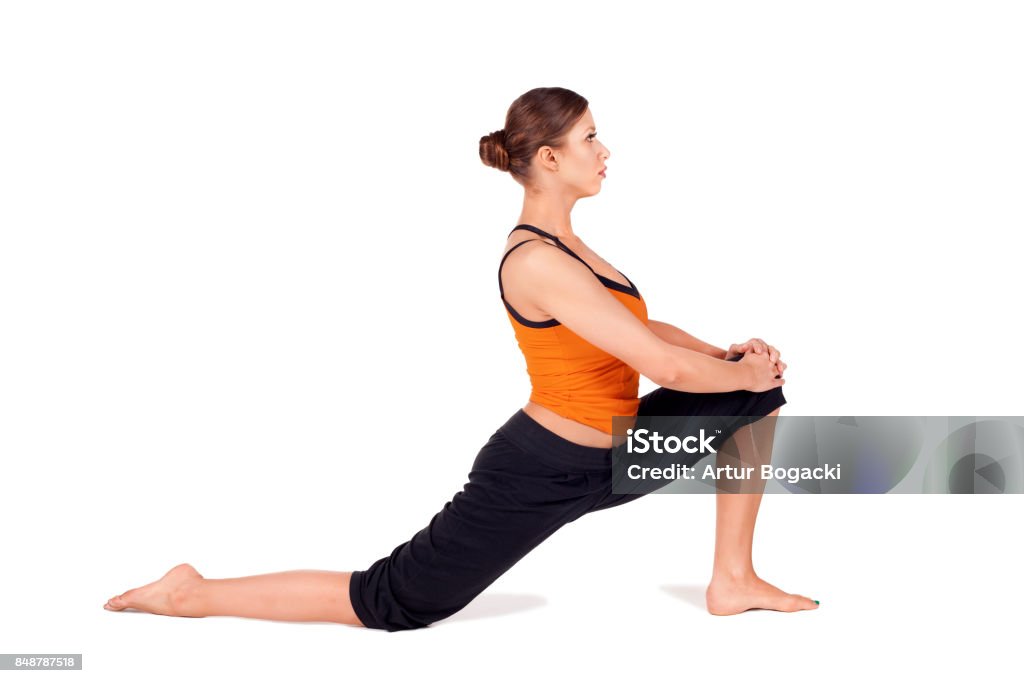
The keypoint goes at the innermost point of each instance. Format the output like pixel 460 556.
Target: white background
pixel 248 260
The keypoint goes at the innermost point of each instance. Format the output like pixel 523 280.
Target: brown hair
pixel 540 117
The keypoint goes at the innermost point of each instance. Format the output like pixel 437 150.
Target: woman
pixel 583 328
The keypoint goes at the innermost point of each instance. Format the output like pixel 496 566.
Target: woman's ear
pixel 548 158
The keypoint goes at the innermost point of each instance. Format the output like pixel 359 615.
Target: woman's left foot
pixel 727 596
pixel 160 597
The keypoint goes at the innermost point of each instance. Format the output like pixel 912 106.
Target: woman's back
pixel 576 387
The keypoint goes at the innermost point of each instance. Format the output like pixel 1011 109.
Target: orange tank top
pixel 569 375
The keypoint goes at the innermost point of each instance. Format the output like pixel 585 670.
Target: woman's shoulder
pixel 524 251
pixel 539 265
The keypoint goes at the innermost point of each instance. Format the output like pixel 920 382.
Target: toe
pixel 807 603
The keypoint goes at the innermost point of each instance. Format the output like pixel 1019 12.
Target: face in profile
pixel 581 159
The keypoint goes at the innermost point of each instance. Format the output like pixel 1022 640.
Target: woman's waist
pixel 535 437
pixel 574 431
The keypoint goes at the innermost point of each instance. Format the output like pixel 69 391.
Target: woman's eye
pixel 592 136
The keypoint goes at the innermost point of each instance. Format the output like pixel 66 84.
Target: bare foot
pixel 727 595
pixel 160 597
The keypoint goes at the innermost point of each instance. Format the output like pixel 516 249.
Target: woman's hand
pixel 758 346
pixel 765 374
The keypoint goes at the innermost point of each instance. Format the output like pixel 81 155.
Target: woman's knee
pixel 773 398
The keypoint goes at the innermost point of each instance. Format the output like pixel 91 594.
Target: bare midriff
pixel 571 430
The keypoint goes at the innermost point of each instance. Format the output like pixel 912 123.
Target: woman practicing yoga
pixel 583 328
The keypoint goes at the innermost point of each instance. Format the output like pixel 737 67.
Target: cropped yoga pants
pixel 525 484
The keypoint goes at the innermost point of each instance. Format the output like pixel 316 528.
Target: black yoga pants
pixel 525 484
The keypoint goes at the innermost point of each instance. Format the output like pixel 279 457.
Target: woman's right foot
pixel 163 596
pixel 727 595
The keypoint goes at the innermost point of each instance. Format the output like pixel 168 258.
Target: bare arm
pixel 565 289
pixel 674 335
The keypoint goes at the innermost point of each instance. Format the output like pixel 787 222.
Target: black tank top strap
pixel 557 241
pixel 501 288
pixel 514 312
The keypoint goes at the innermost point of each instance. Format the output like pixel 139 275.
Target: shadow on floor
pixel 496 605
pixel 691 594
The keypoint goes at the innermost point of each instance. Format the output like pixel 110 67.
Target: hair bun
pixel 493 152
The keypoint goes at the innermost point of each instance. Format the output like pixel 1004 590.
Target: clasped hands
pixel 758 346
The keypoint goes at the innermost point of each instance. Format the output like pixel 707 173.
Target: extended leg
pixel 735 587
pixel 516 497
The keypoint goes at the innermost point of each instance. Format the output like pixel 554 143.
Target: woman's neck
pixel 548 215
